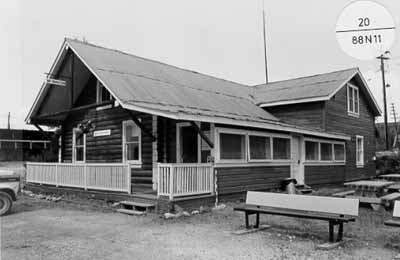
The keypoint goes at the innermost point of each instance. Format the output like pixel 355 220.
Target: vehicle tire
pixel 5 203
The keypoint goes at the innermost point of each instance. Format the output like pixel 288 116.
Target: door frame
pixel 179 142
pixel 299 176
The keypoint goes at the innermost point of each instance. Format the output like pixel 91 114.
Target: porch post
pixel 155 152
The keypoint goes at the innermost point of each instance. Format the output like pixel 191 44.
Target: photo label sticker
pixel 365 30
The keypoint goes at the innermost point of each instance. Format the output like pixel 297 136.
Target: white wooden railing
pixel 177 180
pixel 98 176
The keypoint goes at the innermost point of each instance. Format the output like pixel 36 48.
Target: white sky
pixel 221 38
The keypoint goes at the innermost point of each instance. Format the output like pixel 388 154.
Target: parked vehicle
pixel 9 188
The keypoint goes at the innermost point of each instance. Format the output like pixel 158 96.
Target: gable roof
pixel 319 87
pixel 156 88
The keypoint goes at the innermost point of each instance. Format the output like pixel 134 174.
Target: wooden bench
pixel 334 210
pixel 343 194
pixel 395 222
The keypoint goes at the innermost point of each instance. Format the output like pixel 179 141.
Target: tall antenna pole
pixel 265 47
pixel 8 121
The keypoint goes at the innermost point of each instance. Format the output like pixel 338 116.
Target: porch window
pixel 232 146
pixel 353 100
pixel 338 152
pixel 260 147
pixel 132 142
pixel 359 151
pixel 281 148
pixel 326 152
pixel 312 151
pixel 78 145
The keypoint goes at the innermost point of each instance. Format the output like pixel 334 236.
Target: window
pixel 326 152
pixel 359 151
pixel 102 93
pixel 232 146
pixel 353 101
pixel 132 148
pixel 312 151
pixel 260 147
pixel 205 148
pixel 281 148
pixel 78 145
pixel 338 152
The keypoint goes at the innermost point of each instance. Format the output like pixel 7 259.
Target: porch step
pixel 142 187
pixel 140 180
pixel 135 207
pixel 141 173
pixel 131 212
pixel 303 188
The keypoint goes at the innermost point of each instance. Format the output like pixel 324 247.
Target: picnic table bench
pixel 395 222
pixel 372 192
pixel 390 177
pixel 334 210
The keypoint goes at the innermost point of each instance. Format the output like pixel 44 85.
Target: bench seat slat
pixel 330 205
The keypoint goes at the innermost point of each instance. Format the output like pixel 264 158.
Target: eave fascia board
pixel 290 102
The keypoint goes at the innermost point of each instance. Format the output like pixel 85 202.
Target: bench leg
pixel 257 220
pixel 331 231
pixel 247 219
pixel 340 232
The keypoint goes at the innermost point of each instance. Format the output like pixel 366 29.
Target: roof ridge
pixel 155 61
pixel 303 77
pixel 182 85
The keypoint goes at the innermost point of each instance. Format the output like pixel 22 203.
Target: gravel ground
pixel 82 229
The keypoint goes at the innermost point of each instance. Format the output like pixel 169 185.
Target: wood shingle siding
pixel 240 179
pixel 320 175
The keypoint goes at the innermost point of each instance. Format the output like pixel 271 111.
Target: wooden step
pixel 136 179
pixel 142 187
pixel 137 204
pixel 131 212
pixel 141 173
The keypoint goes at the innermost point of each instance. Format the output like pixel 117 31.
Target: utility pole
pixel 8 121
pixel 395 125
pixel 382 58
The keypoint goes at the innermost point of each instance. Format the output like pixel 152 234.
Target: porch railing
pixel 99 176
pixel 177 180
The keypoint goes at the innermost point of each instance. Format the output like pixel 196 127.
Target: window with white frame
pixel 102 94
pixel 251 146
pixel 232 146
pixel 324 151
pixel 353 100
pixel 132 142
pixel 260 147
pixel 312 151
pixel 359 151
pixel 78 145
pixel 281 148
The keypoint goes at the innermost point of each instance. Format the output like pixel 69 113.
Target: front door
pixel 297 166
pixel 187 151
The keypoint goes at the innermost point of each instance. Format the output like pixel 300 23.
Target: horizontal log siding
pixel 106 148
pixel 338 120
pixel 240 179
pixel 320 175
pixel 303 114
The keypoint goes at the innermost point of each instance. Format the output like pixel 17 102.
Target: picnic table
pixel 373 192
pixel 391 177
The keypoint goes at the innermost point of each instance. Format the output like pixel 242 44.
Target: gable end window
pixel 131 143
pixel 102 94
pixel 353 100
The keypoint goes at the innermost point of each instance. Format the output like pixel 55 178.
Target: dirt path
pixel 48 230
